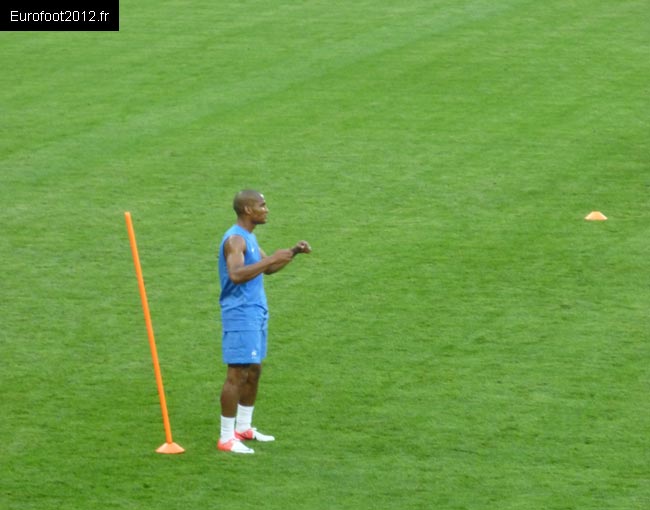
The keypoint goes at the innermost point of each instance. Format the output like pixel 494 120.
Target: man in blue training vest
pixel 244 316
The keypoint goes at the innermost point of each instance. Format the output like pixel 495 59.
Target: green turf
pixel 459 339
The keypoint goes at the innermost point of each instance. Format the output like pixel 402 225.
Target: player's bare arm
pixel 300 247
pixel 234 249
pixel 276 266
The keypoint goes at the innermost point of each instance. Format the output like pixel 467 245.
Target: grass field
pixel 461 338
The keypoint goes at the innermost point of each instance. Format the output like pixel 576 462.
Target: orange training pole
pixel 169 446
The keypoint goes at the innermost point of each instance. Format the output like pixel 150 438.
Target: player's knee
pixel 254 371
pixel 237 374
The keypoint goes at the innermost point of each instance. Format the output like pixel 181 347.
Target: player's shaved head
pixel 245 198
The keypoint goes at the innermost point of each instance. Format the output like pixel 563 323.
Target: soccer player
pixel 244 316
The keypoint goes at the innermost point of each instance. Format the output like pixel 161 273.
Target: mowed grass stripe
pixel 470 341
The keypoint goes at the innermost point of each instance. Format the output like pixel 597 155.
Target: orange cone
pixel 595 216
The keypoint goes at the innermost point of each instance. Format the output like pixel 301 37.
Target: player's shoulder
pixel 232 245
pixel 235 240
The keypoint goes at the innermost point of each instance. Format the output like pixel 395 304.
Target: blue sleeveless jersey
pixel 243 305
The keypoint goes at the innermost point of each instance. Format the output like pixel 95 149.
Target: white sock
pixel 227 428
pixel 244 417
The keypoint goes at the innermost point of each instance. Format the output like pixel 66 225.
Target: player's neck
pixel 246 224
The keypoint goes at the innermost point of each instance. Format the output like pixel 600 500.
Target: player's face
pixel 259 211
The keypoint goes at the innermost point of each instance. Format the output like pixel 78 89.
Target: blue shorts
pixel 244 347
